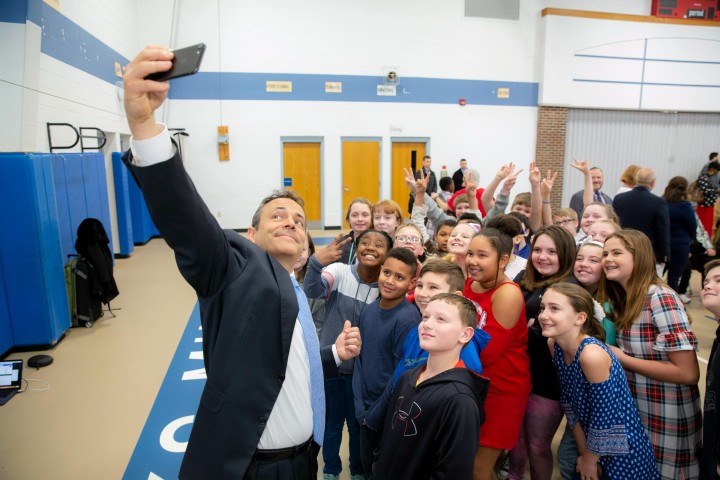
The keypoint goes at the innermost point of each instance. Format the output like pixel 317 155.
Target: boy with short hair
pixel 433 427
pixel 566 218
pixel 383 327
pixel 522 203
pixel 436 276
pixel 709 456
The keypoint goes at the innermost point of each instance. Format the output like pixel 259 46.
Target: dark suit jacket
pixel 458 179
pixel 576 202
pixel 641 210
pixel 248 310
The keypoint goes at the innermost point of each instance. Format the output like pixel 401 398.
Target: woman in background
pixel 682 228
pixel 628 179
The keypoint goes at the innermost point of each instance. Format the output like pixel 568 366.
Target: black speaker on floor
pixel 39 361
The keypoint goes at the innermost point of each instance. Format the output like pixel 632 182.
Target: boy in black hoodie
pixel 433 425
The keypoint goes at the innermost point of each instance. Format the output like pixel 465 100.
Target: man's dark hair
pixel 713 156
pixel 714 165
pixel 276 194
pixel 446 183
pixel 405 256
pixel 469 216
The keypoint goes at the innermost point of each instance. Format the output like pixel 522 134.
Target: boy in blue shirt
pixel 436 276
pixel 383 327
pixel 433 427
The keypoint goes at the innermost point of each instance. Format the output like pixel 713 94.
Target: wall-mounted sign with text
pixel 386 90
pixel 503 93
pixel 272 86
pixel 333 87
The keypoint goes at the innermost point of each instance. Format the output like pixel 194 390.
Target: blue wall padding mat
pixel 122 205
pixel 6 337
pixel 142 225
pixel 32 256
pixel 161 446
pixel 81 192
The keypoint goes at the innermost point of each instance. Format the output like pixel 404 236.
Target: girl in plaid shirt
pixel 656 349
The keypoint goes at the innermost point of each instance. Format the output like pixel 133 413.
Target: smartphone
pixel 185 62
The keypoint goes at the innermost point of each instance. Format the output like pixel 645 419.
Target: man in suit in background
pixel 459 175
pixel 641 210
pixel 576 202
pixel 262 411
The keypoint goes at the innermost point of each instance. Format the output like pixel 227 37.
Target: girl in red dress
pixel 501 313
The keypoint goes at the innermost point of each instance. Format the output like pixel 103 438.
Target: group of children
pixel 477 341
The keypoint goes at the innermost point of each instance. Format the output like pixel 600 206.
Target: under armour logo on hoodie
pixel 406 418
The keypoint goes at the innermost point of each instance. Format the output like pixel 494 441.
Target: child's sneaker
pixel 504 469
pixel 359 476
pixel 330 476
pixel 684 298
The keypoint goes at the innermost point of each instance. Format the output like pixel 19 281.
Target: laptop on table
pixel 10 379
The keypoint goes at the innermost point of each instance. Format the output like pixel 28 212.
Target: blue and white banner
pixel 161 446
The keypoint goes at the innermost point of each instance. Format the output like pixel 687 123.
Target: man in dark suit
pixel 426 173
pixel 459 175
pixel 261 413
pixel 576 201
pixel 640 209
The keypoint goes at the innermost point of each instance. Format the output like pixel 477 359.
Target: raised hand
pixel 421 184
pixel 505 171
pixel 142 97
pixel 333 251
pixel 582 165
pixel 470 186
pixel 348 343
pixel 535 176
pixel 547 183
pixel 410 179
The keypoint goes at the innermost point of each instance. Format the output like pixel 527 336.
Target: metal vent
pixel 501 9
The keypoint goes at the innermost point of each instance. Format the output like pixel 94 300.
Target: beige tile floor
pixel 104 380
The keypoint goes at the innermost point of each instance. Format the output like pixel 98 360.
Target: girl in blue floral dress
pixel 594 391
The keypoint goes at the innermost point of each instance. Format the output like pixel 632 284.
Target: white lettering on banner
pixel 152 476
pixel 198 374
pixel 198 340
pixel 167 436
pixel 196 355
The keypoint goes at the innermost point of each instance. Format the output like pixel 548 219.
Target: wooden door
pixel 301 164
pixel 402 154
pixel 361 172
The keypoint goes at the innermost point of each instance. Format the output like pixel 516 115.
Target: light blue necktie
pixel 312 345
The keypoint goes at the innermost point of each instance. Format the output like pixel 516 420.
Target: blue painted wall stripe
pixel 355 88
pixel 69 43
pixel 13 11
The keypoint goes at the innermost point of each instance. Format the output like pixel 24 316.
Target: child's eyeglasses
pixel 405 239
pixel 563 222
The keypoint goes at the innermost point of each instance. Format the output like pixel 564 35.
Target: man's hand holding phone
pixel 145 88
pixel 143 97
